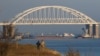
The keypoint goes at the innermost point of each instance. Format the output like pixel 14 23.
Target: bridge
pixel 45 15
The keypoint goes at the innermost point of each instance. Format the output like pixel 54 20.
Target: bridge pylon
pixel 92 30
pixel 96 30
pixel 8 31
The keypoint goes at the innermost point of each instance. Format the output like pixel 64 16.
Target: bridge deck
pixel 47 23
pixel 4 23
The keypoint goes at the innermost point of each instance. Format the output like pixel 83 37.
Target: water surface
pixel 84 46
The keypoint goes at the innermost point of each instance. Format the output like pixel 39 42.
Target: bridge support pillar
pixel 87 29
pixel 5 31
pixel 89 32
pixel 92 30
pixel 11 31
pixel 8 31
pixel 96 31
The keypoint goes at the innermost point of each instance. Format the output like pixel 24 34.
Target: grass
pixel 14 49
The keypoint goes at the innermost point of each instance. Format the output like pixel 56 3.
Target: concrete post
pixel 5 31
pixel 87 29
pixel 11 31
pixel 90 30
pixel 97 31
pixel 8 31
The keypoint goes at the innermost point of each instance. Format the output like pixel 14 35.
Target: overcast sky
pixel 10 8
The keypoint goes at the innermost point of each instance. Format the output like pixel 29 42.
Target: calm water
pixel 86 47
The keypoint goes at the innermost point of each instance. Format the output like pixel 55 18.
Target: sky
pixel 10 8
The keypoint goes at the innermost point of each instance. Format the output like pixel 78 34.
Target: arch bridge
pixel 51 15
pixel 55 15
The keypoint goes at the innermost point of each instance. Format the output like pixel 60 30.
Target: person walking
pixel 42 43
pixel 38 44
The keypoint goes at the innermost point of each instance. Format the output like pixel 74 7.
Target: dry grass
pixel 14 49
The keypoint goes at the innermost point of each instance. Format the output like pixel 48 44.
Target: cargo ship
pixel 57 36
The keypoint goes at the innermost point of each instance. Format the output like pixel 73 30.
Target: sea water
pixel 86 47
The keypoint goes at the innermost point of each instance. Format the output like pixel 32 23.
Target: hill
pixel 14 49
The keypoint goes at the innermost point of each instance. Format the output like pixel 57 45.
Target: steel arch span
pixel 51 15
